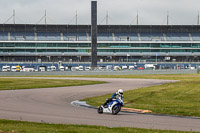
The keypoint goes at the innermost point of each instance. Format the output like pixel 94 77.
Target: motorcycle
pixel 113 107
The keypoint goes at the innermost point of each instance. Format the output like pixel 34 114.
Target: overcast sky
pixel 151 12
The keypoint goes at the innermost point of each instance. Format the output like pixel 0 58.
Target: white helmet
pixel 120 92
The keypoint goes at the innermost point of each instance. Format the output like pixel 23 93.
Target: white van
pixel 124 67
pixel 131 67
pixel 149 66
pixel 42 68
pixel 6 69
pixel 13 69
pixel 109 67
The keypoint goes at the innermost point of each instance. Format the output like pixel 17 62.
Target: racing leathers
pixel 115 95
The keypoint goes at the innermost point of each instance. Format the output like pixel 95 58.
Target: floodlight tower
pixel 167 18
pixel 198 18
pixel 93 34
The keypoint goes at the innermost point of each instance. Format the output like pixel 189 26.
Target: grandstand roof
pixel 101 28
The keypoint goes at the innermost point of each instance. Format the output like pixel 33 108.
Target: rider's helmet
pixel 120 92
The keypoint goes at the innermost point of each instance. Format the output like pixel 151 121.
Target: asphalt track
pixel 53 105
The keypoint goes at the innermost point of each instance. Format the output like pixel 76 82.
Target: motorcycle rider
pixel 116 95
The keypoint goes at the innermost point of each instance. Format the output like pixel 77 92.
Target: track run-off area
pixel 53 105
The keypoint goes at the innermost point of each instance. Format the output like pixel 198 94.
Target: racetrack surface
pixel 53 105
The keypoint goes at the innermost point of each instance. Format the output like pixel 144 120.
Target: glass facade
pixel 113 51
pixel 102 47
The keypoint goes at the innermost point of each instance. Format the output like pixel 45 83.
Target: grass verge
pixel 179 98
pixel 25 83
pixel 9 126
pixel 153 76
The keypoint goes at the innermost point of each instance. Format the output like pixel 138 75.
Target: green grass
pixel 179 98
pixel 31 127
pixel 27 83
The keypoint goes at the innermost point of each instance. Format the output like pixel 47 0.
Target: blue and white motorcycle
pixel 113 107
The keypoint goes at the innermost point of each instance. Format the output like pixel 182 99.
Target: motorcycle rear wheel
pixel 100 110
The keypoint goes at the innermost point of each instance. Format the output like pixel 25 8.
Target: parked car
pixel 28 69
pixel 18 68
pixel 80 68
pixel 141 68
pixel 87 68
pixel 53 68
pixel 62 68
pixel 67 68
pixel 74 68
pixel 116 68
pixel 102 68
pixel 49 68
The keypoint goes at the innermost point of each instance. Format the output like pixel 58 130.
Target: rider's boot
pixel 105 104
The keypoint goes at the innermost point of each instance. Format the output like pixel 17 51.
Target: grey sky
pixel 123 12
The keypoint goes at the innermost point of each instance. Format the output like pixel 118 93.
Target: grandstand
pixel 116 43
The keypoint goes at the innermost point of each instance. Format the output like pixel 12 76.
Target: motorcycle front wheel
pixel 116 109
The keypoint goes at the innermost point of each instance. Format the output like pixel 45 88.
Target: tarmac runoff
pixel 53 105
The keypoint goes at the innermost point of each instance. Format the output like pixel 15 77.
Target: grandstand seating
pixel 129 36
pixel 22 36
pixel 145 36
pixel 48 36
pixel 178 36
pixel 151 36
pixel 105 37
pixel 195 36
pixel 82 37
pixel 3 35
pixel 134 37
pixel 71 36
pixel 30 36
pixel 121 36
